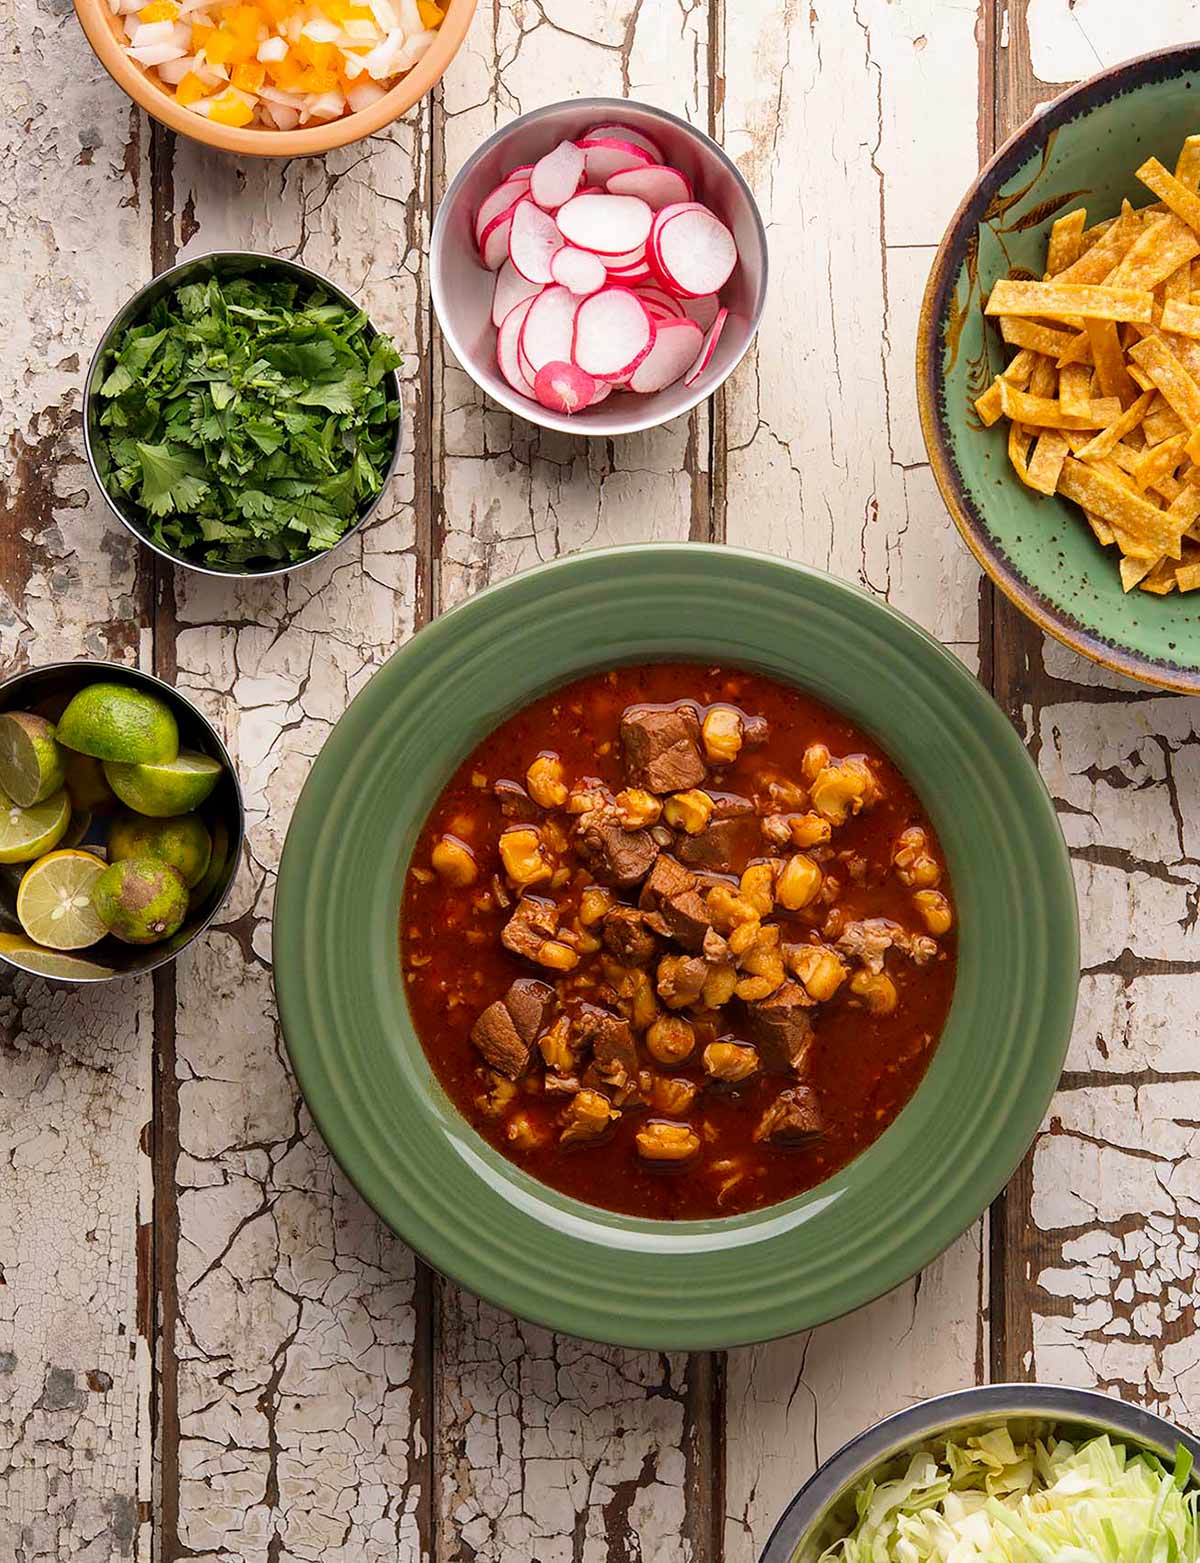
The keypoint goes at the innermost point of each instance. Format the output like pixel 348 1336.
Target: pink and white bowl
pixel 463 287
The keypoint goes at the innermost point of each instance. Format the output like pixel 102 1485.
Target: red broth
pixel 860 1067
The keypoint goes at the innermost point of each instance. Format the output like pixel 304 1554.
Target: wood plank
pixel 546 1446
pixel 1098 1228
pixel 300 1359
pixel 878 104
pixel 74 1069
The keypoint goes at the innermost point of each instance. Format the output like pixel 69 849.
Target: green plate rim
pixel 593 1247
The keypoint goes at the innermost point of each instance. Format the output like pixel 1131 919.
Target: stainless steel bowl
pixel 46 691
pixel 225 263
pixel 462 287
pixel 823 1510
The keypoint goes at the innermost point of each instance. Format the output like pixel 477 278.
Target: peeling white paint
pixel 1069 39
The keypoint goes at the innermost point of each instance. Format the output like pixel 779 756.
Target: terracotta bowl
pixel 106 34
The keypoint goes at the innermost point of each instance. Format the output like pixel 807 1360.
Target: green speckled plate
pixel 1082 149
pixel 539 1253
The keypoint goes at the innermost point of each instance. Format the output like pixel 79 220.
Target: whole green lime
pixel 183 842
pixel 119 722
pixel 140 900
pixel 31 762
pixel 174 787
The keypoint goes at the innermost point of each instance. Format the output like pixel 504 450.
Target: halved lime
pixel 27 833
pixel 174 787
pixel 119 722
pixel 54 903
pixel 41 962
pixel 31 763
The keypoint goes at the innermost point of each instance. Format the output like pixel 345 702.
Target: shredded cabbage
pixel 1051 1502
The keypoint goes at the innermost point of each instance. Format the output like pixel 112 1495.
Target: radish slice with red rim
pixel 613 333
pixel 694 251
pixel 704 357
pixel 556 177
pixel 676 346
pixel 564 387
pixel 604 389
pixel 658 298
pixel 579 270
pixel 606 157
pixel 609 225
pixel 508 349
pixel 533 239
pixel 511 289
pixel 702 310
pixel 633 138
pixel 549 329
pixel 493 250
pixel 497 201
pixel 657 186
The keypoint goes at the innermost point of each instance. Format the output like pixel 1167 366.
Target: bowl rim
pixel 522 406
pixel 127 314
pixel 345 763
pixel 919 1423
pixel 237 837
pixel 136 82
pixel 1024 142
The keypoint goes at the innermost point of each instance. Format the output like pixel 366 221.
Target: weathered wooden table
pixel 209 1348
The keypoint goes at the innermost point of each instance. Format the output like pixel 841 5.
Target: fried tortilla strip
pixel 1140 528
pixel 1107 250
pixel 1102 444
pixel 1044 379
pixel 1019 440
pixel 1168 375
pixel 1104 532
pixel 1134 571
pixel 1043 412
pixel 1022 332
pixel 1060 300
pixel 1160 422
pixel 1162 248
pixel 1183 202
pixel 1177 287
pixel 1075 390
pixel 1187 165
pixel 1187 577
pixel 1109 359
pixel 1185 507
pixel 1158 463
pixel 1184 319
pixel 1066 237
pixel 1047 460
pixel 1161 579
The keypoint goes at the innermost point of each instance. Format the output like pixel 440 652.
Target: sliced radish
pixel 627 261
pixel 606 157
pixel 549 328
pixel 676 346
pixel 610 225
pixel 493 247
pixel 564 387
pixel 632 276
pixel 511 289
pixel 604 389
pixel 613 333
pixel 533 239
pixel 508 354
pixel 525 168
pixel 655 297
pixel 623 133
pixel 497 201
pixel 556 177
pixel 657 186
pixel 702 310
pixel 710 346
pixel 695 253
pixel 579 270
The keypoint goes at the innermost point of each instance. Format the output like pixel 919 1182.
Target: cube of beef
pixel 615 855
pixel 627 936
pixel 670 893
pixel 781 1027
pixel 507 1030
pixel 614 1052
pixel 665 880
pixel 530 926
pixel 730 805
pixel 515 803
pixel 792 1118
pixel 662 747
pixel 720 849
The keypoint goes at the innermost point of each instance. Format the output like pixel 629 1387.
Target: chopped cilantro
pixel 247 420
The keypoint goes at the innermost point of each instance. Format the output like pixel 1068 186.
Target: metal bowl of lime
pixel 121 822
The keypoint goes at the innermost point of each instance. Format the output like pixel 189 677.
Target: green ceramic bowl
pixel 1082 148
pixel 549 1258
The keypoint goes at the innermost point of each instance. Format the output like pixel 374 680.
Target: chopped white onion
pixel 282 117
pixel 362 95
pixel 410 16
pixel 320 30
pixel 146 33
pixel 354 34
pixel 272 49
pixel 352 64
pixel 276 95
pixel 385 15
pixel 381 62
pixel 413 50
pixel 155 54
pixel 173 71
pixel 324 105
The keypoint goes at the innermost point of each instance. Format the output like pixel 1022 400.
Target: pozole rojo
pixel 678 940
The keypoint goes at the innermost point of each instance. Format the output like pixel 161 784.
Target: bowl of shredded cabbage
pixel 1010 1473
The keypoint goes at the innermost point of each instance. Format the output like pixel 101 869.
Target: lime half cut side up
pixel 31 762
pixel 39 961
pixel 26 833
pixel 54 901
